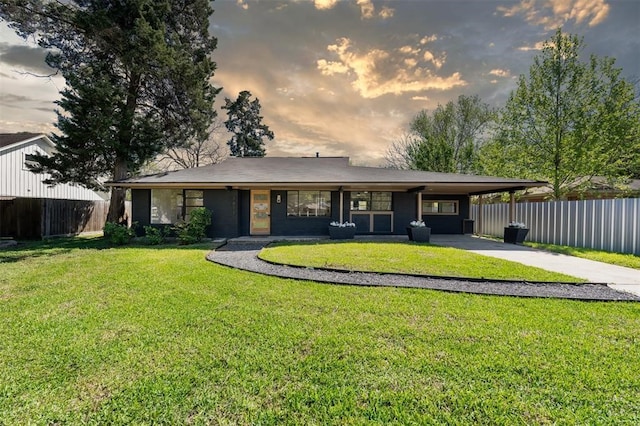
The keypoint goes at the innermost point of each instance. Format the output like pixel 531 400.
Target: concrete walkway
pixel 617 277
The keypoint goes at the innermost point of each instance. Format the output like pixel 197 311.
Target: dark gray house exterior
pixel 301 196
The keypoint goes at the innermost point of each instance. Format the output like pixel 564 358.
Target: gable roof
pixel 320 173
pixel 9 139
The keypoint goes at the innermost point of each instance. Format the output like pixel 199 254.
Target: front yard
pixel 92 334
pixel 400 257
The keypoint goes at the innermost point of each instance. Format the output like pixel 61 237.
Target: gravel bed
pixel 245 256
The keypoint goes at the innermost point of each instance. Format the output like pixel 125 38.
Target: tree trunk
pixel 116 206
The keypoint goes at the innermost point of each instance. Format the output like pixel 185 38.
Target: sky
pixel 345 77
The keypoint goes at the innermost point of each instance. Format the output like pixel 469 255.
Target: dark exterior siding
pixel 231 213
pixel 405 209
pixel 447 224
pixel 244 213
pixel 223 205
pixel 141 207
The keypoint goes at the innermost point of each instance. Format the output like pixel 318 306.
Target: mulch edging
pixel 244 256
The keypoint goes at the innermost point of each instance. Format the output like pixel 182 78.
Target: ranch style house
pixel 301 196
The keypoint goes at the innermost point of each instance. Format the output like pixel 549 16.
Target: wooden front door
pixel 260 212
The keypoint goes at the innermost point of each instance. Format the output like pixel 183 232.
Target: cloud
pixel 500 73
pixel 25 58
pixel 367 9
pixel 537 46
pixel 555 13
pixel 324 4
pixel 378 72
pixel 386 12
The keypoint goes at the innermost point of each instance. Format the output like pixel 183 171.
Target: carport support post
pixel 419 205
pixel 512 206
pixel 341 205
pixel 480 208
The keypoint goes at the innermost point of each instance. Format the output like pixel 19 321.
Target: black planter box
pixel 342 233
pixel 515 235
pixel 419 234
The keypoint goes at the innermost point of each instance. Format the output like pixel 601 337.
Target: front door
pixel 260 212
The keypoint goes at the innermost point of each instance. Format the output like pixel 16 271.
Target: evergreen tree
pixel 245 122
pixel 137 82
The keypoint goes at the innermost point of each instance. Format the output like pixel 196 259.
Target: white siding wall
pixel 16 181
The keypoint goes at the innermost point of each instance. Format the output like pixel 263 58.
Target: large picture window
pixel 371 201
pixel 166 206
pixel 308 203
pixel 170 206
pixel 443 207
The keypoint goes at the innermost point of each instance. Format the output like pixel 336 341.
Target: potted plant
pixel 418 231
pixel 342 231
pixel 515 233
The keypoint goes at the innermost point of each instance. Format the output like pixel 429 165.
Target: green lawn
pixel 405 258
pixel 620 259
pixel 100 335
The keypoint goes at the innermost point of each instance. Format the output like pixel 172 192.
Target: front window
pixel 308 203
pixel 174 205
pixel 166 206
pixel 371 201
pixel 443 207
pixel 192 199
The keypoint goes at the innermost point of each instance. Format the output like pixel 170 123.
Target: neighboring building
pixel 596 188
pixel 17 181
pixel 301 196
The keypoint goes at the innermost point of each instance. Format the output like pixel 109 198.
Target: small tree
pixel 245 122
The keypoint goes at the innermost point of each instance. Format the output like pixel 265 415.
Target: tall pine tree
pixel 245 123
pixel 137 82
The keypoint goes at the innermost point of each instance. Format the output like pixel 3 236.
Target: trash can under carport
pixel 467 226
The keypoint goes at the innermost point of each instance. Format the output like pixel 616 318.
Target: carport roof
pixel 321 173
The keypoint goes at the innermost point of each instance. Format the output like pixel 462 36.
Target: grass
pixel 620 259
pixel 100 335
pixel 405 258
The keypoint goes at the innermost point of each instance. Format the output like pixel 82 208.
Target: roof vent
pixel 317 154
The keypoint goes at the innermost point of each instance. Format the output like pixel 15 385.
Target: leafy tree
pixel 569 119
pixel 446 140
pixel 196 152
pixel 137 81
pixel 245 122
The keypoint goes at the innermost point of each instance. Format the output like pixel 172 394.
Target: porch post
pixel 512 206
pixel 480 218
pixel 341 205
pixel 419 205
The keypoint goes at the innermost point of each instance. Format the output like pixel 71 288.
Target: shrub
pixel 117 234
pixel 155 236
pixel 195 229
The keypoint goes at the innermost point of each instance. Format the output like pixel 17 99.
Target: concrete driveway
pixel 617 277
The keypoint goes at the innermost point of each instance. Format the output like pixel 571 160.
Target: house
pixel 17 181
pixel 594 188
pixel 301 196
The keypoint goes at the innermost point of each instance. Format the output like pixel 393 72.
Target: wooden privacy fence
pixel 28 218
pixel 611 225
